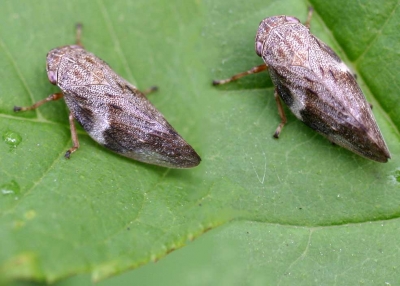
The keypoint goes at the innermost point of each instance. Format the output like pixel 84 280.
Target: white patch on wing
pixel 342 66
pixel 101 125
pixel 296 107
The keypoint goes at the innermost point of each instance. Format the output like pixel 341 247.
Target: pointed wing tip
pixel 382 155
pixel 192 160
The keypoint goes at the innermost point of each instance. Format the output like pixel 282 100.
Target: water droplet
pixel 12 138
pixel 10 189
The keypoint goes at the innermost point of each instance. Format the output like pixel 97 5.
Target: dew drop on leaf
pixel 10 189
pixel 12 138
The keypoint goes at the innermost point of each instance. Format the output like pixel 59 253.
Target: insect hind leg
pixel 74 137
pixel 281 114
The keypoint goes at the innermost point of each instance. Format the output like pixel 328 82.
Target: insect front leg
pixel 281 114
pixel 78 34
pixel 310 12
pixel 150 90
pixel 74 136
pixel 55 96
pixel 256 69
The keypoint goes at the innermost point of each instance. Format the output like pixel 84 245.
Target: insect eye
pixel 259 46
pixel 52 75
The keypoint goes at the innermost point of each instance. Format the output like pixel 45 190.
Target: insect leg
pixel 52 97
pixel 310 12
pixel 281 114
pixel 74 136
pixel 150 90
pixel 256 69
pixel 78 34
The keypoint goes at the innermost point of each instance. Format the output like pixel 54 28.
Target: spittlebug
pixel 316 85
pixel 112 111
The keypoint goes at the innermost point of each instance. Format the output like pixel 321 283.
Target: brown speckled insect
pixel 112 111
pixel 316 85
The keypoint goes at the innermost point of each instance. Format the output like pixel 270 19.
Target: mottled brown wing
pixel 326 97
pixel 120 117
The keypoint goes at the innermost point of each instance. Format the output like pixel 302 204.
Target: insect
pixel 111 110
pixel 316 85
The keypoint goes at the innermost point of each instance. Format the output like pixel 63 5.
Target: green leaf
pixel 303 210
